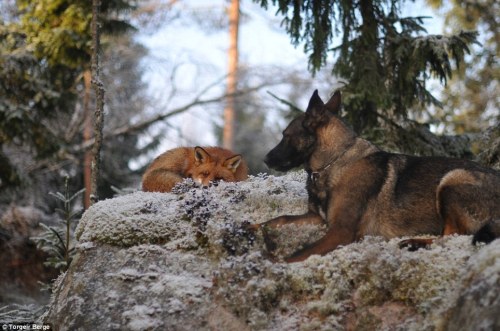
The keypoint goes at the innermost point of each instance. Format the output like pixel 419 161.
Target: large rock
pixel 478 304
pixel 185 261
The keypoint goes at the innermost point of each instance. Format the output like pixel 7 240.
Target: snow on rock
pixel 186 261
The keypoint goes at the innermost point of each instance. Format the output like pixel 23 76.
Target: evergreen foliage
pixel 386 59
pixel 471 102
pixel 59 31
pixel 43 54
pixel 30 93
pixel 58 241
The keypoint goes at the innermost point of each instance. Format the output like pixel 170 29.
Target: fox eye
pixel 218 179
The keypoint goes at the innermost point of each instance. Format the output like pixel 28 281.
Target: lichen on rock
pixel 186 260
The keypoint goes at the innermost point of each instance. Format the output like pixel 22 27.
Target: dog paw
pixel 414 244
pixel 487 233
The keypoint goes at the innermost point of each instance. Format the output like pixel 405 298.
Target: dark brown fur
pixel 359 190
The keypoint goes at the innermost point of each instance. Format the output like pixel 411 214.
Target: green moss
pixel 79 288
pixel 201 239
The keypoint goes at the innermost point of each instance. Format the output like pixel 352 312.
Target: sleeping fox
pixel 202 164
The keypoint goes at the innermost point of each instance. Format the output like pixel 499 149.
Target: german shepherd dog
pixel 359 190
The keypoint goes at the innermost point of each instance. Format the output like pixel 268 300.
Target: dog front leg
pixel 334 238
pixel 269 236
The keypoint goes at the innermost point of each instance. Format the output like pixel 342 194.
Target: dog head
pixel 299 138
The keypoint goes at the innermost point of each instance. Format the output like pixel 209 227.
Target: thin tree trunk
pixel 87 136
pixel 230 109
pixel 99 104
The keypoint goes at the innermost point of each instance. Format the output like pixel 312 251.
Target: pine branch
pixel 293 107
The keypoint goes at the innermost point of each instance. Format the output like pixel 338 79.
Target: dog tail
pixel 489 232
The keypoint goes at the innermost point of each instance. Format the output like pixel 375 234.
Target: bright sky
pixel 200 56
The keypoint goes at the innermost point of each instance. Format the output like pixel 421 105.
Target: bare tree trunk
pixel 230 110
pixel 87 136
pixel 99 104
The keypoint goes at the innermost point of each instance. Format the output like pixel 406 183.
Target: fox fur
pixel 203 164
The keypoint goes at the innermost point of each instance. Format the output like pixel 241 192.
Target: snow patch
pixel 141 317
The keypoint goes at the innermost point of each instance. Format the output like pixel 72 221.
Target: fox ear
pixel 333 105
pixel 201 155
pixel 233 162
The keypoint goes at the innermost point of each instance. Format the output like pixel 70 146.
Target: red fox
pixel 202 164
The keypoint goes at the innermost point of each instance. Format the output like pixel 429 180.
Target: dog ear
pixel 315 101
pixel 315 107
pixel 233 162
pixel 333 105
pixel 201 155
pixel 315 113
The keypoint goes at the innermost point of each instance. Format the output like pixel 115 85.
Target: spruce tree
pixel 385 59
pixel 44 50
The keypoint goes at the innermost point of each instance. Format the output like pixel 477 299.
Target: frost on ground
pixel 186 261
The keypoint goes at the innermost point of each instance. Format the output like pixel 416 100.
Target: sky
pixel 199 56
pixel 203 54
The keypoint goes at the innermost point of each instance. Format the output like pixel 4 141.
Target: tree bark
pixel 99 104
pixel 87 136
pixel 230 109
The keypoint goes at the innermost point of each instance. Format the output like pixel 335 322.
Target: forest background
pixel 165 76
pixel 228 73
pixel 417 77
